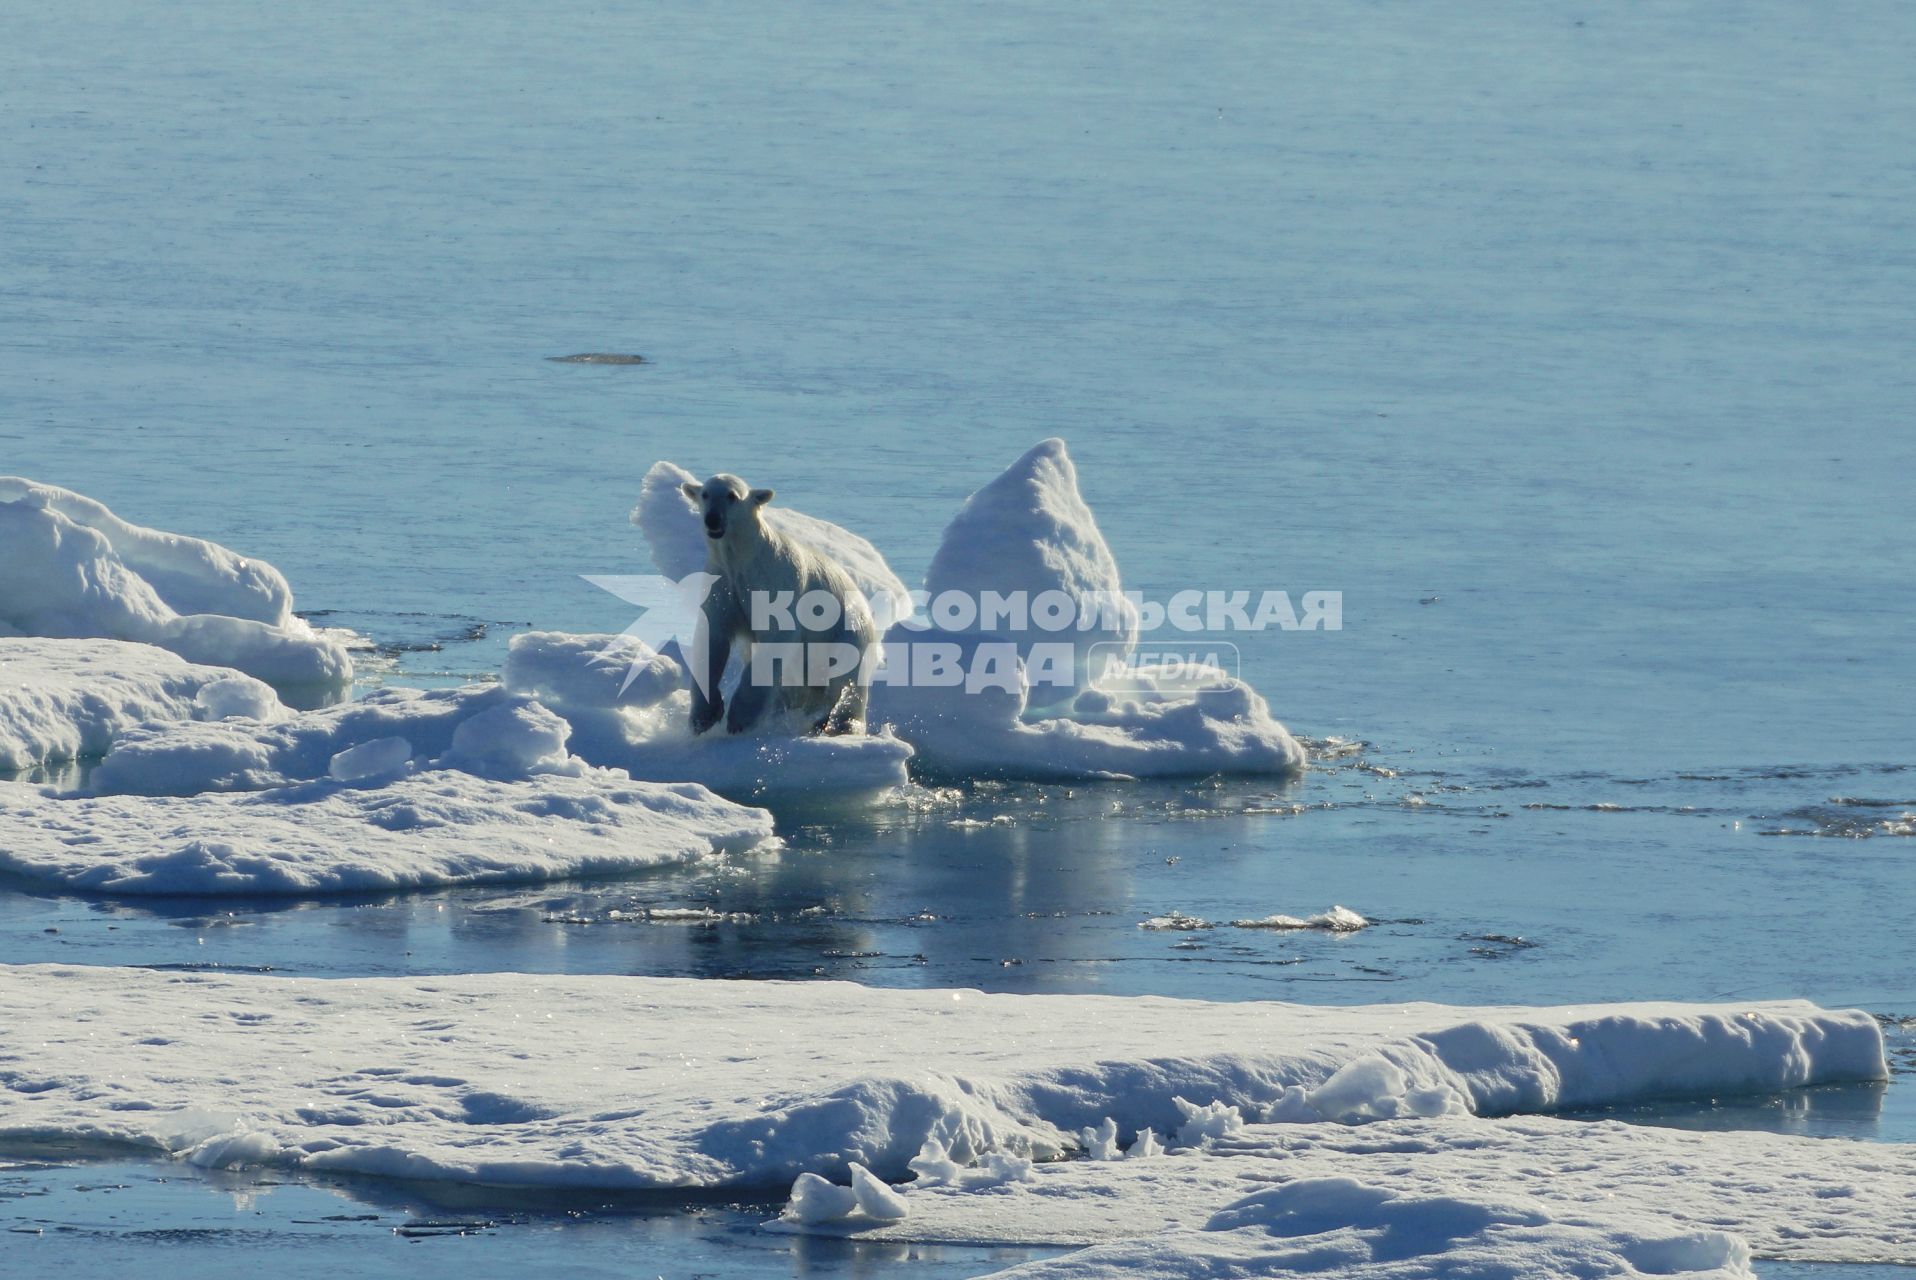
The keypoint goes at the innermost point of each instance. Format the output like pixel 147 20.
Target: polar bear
pixel 796 609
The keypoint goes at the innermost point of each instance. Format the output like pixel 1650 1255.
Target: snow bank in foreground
pixel 1805 1199
pixel 1342 1227
pixel 436 828
pixel 69 699
pixel 75 570
pixel 647 1082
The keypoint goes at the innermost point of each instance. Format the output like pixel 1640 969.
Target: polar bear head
pixel 727 504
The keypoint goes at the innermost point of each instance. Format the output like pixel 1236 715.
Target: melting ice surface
pixel 1587 391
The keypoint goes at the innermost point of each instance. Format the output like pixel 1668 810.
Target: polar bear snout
pixel 722 500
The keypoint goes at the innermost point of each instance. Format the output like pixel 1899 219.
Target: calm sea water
pixel 1572 347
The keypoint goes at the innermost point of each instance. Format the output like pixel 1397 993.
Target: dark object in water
pixel 597 357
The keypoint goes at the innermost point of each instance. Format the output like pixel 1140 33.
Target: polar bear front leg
pixel 718 622
pixel 749 700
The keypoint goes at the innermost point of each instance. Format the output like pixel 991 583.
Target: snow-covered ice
pixel 1807 1199
pixel 1026 531
pixel 653 1082
pixel 73 570
pixel 64 700
pixel 402 790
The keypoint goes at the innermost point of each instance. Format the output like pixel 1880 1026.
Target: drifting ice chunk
pixel 1030 531
pixel 511 739
pixel 74 570
pixel 814 1200
pixel 878 1201
pixel 237 697
pixel 1336 920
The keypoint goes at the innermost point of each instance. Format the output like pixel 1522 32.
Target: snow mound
pixel 66 700
pixel 75 570
pixel 436 828
pixel 1030 531
pixel 590 672
pixel 189 574
pixel 670 522
pixel 620 1082
pixel 1342 1227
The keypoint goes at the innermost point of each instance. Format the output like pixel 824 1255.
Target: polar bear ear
pixel 691 489
pixel 761 496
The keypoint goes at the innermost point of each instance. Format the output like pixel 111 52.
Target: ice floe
pixel 403 790
pixel 433 828
pixel 75 570
pixel 1336 920
pixel 650 1082
pixel 1027 533
pixel 64 700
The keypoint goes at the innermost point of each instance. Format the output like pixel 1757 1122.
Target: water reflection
pixel 95 1219
pixel 1869 1111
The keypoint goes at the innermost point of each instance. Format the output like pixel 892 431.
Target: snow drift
pixel 75 570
